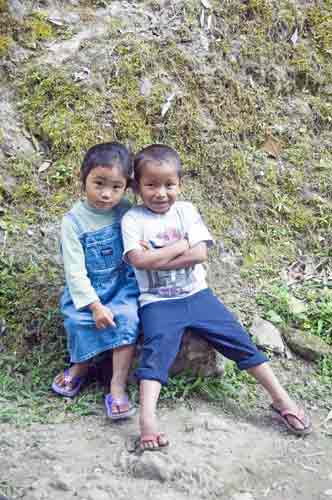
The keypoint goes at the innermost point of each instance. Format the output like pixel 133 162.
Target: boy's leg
pixel 163 325
pixel 121 360
pixel 219 327
pixel 149 395
pixel 281 400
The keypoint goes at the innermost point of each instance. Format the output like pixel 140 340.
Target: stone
pixel 242 496
pixel 306 345
pixel 153 466
pixel 197 357
pixel 267 336
pixel 14 142
pixel 16 9
pixel 96 494
pixel 59 484
pixel 296 306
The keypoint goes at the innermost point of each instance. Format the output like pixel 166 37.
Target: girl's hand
pixel 102 315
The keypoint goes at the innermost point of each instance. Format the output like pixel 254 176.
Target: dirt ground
pixel 211 455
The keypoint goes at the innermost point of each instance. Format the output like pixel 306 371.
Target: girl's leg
pixel 149 394
pixel 122 359
pixel 281 400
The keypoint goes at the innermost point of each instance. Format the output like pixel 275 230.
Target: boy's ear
pixel 133 184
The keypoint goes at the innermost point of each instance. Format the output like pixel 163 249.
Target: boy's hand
pixel 144 245
pixel 102 315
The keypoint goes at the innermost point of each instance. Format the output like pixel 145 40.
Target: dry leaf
pixel 210 22
pixel 272 147
pixel 206 4
pixel 145 87
pixel 167 104
pixel 44 166
pixel 295 37
pixel 202 18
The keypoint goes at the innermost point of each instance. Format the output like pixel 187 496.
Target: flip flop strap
pixel 286 413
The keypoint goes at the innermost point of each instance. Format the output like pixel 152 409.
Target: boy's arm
pixel 189 258
pixel 134 252
pixel 157 258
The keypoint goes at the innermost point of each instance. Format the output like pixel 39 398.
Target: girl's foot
pixel 68 383
pixel 117 403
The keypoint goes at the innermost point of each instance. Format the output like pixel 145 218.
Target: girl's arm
pixel 77 280
pixel 157 258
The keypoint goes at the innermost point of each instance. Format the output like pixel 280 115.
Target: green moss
pixel 38 29
pixel 5 42
pixel 319 20
pixel 61 113
pixel 25 299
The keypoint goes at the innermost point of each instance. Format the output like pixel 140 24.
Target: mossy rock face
pixel 237 83
pixel 305 345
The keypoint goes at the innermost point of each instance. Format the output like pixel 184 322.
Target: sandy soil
pixel 212 455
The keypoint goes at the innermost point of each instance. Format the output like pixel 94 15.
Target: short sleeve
pixel 132 232
pixel 197 230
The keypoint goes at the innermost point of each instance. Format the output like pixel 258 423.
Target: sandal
pixel 72 385
pixel 299 415
pixel 118 402
pixel 158 439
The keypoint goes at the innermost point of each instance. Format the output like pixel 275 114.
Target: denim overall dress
pixel 115 284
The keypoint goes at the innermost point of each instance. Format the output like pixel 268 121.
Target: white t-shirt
pixel 159 230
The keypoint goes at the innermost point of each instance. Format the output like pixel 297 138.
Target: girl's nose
pixel 106 194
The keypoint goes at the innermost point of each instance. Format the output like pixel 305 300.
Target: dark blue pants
pixel 164 323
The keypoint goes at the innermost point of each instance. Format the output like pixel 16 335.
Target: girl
pixel 99 302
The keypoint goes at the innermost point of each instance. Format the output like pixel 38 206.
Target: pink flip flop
pixel 299 415
pixel 75 383
pixel 110 401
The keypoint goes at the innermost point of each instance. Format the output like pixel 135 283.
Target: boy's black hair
pixel 108 154
pixel 156 153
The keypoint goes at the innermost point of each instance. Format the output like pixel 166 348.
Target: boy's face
pixel 159 185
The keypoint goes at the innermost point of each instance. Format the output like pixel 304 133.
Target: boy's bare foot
pixel 293 417
pixel 150 438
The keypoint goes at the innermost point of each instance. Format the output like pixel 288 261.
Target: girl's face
pixel 105 187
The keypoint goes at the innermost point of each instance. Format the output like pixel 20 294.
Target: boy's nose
pixel 161 193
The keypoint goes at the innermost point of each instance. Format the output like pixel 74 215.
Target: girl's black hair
pixel 108 154
pixel 159 153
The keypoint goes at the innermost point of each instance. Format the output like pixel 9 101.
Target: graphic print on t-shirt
pixel 173 282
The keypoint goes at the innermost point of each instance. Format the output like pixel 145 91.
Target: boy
pixel 166 241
